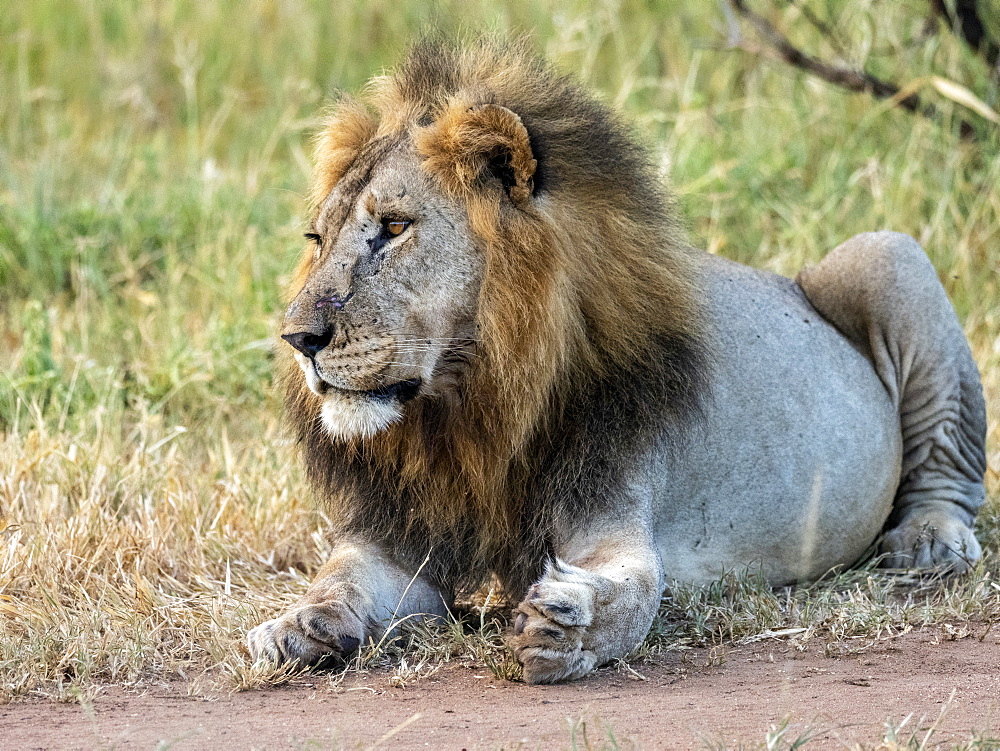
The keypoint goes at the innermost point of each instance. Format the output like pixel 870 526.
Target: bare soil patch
pixel 730 696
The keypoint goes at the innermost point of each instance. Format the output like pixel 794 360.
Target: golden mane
pixel 588 320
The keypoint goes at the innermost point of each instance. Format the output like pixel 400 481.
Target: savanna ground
pixel 153 164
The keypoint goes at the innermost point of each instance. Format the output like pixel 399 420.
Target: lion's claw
pixel 550 630
pixel 311 635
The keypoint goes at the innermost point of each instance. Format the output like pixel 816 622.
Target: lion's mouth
pixel 401 391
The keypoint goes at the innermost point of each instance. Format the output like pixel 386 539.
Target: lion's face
pixel 387 310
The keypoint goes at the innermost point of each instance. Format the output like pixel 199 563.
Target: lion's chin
pixel 347 416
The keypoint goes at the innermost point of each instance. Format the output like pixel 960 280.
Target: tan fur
pixel 345 130
pixel 578 283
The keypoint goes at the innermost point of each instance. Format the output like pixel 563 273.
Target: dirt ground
pixel 699 699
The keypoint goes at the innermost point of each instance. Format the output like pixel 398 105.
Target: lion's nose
pixel 307 342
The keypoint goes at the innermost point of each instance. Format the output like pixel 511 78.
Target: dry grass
pixel 151 171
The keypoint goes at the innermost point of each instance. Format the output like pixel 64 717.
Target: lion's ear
pixel 469 145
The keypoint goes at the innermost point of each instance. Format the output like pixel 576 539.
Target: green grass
pixel 153 167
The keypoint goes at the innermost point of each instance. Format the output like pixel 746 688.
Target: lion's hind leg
pixel 881 291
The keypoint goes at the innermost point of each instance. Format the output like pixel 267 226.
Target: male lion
pixel 511 364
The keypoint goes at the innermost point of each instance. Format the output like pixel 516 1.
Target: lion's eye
pixel 395 227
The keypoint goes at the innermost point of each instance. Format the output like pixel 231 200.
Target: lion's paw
pixel 311 634
pixel 550 627
pixel 934 540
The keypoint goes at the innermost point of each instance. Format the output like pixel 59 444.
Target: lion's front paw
pixel 550 630
pixel 933 540
pixel 311 634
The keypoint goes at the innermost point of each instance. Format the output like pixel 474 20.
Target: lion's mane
pixel 590 346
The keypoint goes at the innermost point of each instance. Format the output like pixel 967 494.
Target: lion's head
pixel 387 310
pixel 494 284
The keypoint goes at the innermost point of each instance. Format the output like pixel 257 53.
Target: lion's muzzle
pixel 352 359
pixel 358 375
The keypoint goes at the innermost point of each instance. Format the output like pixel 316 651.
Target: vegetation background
pixel 154 158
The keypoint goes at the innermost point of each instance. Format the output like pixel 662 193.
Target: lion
pixel 509 363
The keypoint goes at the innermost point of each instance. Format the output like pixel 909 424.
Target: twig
pixel 852 80
pixel 964 21
pixel 859 81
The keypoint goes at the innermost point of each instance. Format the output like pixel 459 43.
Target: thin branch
pixel 963 19
pixel 859 81
pixel 847 78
